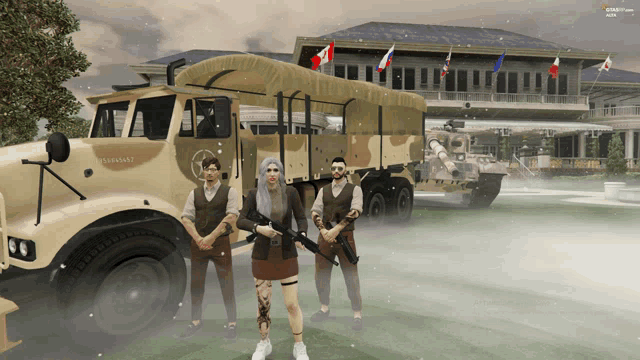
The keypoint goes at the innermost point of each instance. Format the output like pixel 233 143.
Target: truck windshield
pixel 110 120
pixel 152 117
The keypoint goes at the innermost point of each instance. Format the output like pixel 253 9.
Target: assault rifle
pixel 348 251
pixel 305 241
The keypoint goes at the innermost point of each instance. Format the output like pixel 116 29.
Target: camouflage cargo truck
pixel 104 225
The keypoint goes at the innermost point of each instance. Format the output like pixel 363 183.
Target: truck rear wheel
pixel 376 208
pixel 402 200
pixel 121 284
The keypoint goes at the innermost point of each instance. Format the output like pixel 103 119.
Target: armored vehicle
pixel 103 226
pixel 451 167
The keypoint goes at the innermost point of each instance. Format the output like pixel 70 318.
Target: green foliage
pixel 594 147
pixel 73 128
pixel 616 163
pixel 505 148
pixel 38 56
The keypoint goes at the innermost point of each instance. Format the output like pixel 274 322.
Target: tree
pixel 505 148
pixel 73 128
pixel 594 147
pixel 38 56
pixel 616 163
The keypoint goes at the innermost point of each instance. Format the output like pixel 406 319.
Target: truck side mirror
pixel 58 147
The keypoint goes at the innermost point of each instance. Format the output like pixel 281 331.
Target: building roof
pixel 613 75
pixel 441 34
pixel 195 56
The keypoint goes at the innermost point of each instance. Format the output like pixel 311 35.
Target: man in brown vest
pixel 339 202
pixel 208 215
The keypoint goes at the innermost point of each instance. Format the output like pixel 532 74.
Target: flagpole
pixel 599 72
pixel 333 66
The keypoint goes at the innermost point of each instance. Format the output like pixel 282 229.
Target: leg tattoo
pixel 263 291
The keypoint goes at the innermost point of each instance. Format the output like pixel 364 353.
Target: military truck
pixel 451 166
pixel 103 225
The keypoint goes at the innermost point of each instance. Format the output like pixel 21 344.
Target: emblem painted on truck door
pixel 196 162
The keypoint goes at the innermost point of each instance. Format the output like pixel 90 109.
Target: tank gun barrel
pixel 441 152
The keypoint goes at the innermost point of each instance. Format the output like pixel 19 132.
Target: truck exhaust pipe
pixel 441 152
pixel 171 80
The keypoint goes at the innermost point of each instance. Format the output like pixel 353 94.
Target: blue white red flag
pixel 386 60
pixel 445 68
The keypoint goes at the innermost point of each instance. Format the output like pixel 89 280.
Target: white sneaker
pixel 300 351
pixel 262 350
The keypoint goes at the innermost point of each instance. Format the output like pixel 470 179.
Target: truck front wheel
pixel 121 284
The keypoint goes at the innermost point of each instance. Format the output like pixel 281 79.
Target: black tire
pixel 119 285
pixel 376 208
pixel 401 202
pixel 487 190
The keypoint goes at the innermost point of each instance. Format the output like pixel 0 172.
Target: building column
pixel 582 145
pixel 628 142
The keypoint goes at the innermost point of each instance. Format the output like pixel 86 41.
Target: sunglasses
pixel 337 168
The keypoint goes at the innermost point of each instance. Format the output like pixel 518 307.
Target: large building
pixel 521 101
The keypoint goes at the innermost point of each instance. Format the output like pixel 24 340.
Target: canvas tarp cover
pixel 267 76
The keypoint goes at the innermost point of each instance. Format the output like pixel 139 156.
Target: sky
pixel 116 34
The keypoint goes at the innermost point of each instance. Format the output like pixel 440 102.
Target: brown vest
pixel 336 208
pixel 209 214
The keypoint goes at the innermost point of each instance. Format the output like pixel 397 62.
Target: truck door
pixel 208 129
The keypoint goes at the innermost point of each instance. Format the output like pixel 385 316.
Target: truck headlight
pixel 460 157
pixel 24 250
pixel 12 245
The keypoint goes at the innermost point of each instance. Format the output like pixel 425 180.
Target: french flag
pixel 553 70
pixel 323 56
pixel 386 60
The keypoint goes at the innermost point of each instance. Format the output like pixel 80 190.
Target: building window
pixel 515 150
pixel 339 71
pixel 462 80
pixel 424 76
pixel 606 109
pixel 450 81
pixel 315 131
pixel 552 89
pixel 513 83
pixel 370 73
pixel 268 129
pixel 254 129
pixel 592 106
pixel 409 79
pixel 436 76
pixel 613 109
pixel 487 78
pixel 476 77
pixel 383 76
pixel 502 82
pixel 562 88
pixel 527 80
pixel 538 81
pixel 352 72
pixel 489 150
pixel 396 82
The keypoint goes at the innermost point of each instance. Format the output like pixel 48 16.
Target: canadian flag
pixel 323 56
pixel 553 70
pixel 607 64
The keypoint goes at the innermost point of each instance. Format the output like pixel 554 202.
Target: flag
pixel 496 68
pixel 607 64
pixel 323 56
pixel 386 60
pixel 553 70
pixel 445 68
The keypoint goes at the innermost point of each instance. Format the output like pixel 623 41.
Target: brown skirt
pixel 275 267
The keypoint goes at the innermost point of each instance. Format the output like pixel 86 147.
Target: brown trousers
pixel 220 254
pixel 349 271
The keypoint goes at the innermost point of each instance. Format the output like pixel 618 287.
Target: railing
pixel 505 98
pixel 575 163
pixel 613 112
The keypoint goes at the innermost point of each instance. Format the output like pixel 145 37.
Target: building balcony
pixel 491 105
pixel 612 113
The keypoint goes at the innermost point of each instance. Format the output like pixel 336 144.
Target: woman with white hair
pixel 275 257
